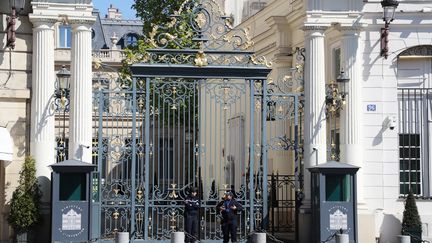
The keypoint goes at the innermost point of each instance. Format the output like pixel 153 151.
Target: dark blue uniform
pixel 229 218
pixel 191 218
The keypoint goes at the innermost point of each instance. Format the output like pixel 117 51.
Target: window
pixel 409 163
pixel 414 121
pixel 415 107
pixel 336 63
pixel 65 36
pixel 73 186
pixel 338 188
pixel 131 40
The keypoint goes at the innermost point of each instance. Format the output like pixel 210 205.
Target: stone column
pixel 315 148
pixel 42 132
pixel 80 128
pixel 315 144
pixel 351 114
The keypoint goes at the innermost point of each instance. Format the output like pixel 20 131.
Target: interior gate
pixel 194 114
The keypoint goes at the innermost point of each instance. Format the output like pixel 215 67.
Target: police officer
pixel 192 205
pixel 229 208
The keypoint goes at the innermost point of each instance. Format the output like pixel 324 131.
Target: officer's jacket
pixel 225 208
pixel 191 204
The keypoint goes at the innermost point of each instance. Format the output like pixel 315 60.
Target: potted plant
pixel 411 223
pixel 25 203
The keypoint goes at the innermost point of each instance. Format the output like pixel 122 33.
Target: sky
pixel 124 6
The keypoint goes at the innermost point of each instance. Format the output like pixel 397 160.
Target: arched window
pixel 414 80
pixel 131 40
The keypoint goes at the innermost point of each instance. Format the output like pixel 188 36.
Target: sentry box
pixel 70 204
pixel 334 201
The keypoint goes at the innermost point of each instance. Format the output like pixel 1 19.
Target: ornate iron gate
pixel 189 117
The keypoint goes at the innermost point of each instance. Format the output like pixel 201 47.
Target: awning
pixel 6 148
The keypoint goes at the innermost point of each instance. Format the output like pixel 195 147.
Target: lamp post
pixel 62 105
pixel 335 100
pixel 389 8
pixel 11 21
pixel 63 83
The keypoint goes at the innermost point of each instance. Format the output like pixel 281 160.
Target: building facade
pixel 48 36
pixel 383 127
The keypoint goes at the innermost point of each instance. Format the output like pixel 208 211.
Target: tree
pixel 25 203
pixel 155 12
pixel 411 223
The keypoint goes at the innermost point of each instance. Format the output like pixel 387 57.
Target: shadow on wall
pixel 390 228
pixel 18 132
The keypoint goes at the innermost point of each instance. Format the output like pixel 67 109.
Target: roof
pixel 72 165
pixel 334 166
pixel 104 29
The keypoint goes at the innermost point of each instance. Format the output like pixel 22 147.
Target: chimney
pixel 113 13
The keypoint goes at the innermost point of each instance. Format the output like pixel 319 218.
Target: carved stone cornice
pixel 422 50
pixel 86 22
pixel 314 28
pixel 355 28
pixel 38 21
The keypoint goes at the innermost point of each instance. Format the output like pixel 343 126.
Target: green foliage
pixel 155 12
pixel 25 202
pixel 158 23
pixel 411 218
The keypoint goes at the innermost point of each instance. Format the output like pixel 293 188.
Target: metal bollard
pixel 342 238
pixel 122 237
pixel 177 237
pixel 404 238
pixel 259 238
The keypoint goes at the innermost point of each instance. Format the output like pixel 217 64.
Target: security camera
pixel 392 122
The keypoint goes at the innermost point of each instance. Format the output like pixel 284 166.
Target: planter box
pixel 26 237
pixel 416 235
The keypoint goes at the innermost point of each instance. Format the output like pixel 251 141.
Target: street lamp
pixel 389 8
pixel 342 80
pixel 336 94
pixel 335 100
pixel 63 82
pixel 62 106
pixel 11 21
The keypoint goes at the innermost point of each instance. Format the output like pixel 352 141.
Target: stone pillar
pixel 42 132
pixel 351 115
pixel 80 128
pixel 315 148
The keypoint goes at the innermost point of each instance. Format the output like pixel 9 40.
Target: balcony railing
pixel 106 56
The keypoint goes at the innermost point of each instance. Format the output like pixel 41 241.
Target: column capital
pixel 42 22
pixel 315 28
pixel 81 24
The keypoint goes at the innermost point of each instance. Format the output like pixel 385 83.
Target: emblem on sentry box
pixel 71 220
pixel 338 220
